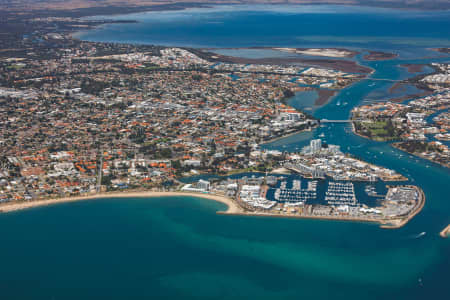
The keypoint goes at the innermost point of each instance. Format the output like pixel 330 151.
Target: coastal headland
pixel 402 221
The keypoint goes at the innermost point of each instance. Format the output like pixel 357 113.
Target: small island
pixel 442 50
pixel 378 55
pixel 413 68
pixel 327 52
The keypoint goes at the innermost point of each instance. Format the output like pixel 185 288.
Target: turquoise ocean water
pixel 168 248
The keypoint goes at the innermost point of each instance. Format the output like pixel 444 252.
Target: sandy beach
pixel 233 207
pixel 282 171
pixel 14 206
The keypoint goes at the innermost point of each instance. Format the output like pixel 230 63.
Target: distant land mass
pixel 90 7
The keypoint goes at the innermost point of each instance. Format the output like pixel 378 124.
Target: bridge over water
pixel 335 121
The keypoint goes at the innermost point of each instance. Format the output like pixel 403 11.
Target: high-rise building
pixel 203 184
pixel 315 145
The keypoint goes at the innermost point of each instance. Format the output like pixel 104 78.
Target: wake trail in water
pixel 416 236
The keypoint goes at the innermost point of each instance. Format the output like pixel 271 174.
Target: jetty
pixel 335 121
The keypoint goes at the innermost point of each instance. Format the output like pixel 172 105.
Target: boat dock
pixel 296 196
pixel 339 193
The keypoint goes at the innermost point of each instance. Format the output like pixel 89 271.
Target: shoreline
pixel 127 7
pixel 396 146
pixel 348 66
pixel 445 233
pixel 393 144
pixel 233 208
pixel 398 223
pixel 353 53
pixel 383 223
pixel 286 136
pixel 16 206
pixel 311 217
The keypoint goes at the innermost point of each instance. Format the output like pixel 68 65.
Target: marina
pixel 296 196
pixel 341 194
pixel 371 191
pixel 301 197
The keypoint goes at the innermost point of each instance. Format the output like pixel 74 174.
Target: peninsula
pixel 418 126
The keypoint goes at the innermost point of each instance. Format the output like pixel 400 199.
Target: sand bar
pixel 14 206
pixel 446 232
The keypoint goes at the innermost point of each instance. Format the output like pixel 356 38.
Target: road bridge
pixel 335 121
